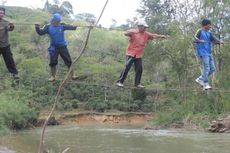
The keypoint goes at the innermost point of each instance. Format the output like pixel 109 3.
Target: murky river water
pixel 86 139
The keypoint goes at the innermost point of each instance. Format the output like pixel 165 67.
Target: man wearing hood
pixel 58 45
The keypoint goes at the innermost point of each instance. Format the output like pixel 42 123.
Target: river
pixel 110 139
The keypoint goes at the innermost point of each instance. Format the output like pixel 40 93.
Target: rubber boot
pixel 15 80
pixel 73 76
pixel 53 74
pixel 15 76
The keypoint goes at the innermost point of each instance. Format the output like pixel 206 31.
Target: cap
pixel 56 17
pixel 142 23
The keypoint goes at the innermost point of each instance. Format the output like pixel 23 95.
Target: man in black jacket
pixel 5 50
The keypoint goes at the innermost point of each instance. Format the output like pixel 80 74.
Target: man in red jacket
pixel 137 40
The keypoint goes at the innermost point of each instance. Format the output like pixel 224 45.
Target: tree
pixel 114 23
pixel 88 17
pixel 3 2
pixel 129 24
pixel 155 13
pixel 65 9
pixel 56 2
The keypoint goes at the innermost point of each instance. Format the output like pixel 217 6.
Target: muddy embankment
pixel 221 125
pixel 94 118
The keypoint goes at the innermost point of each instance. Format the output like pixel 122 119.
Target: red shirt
pixel 137 42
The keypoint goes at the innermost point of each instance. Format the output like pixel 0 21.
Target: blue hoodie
pixel 56 34
pixel 204 49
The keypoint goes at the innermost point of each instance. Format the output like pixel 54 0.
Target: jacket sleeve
pixel 68 27
pixel 152 36
pixel 214 39
pixel 196 37
pixel 131 32
pixel 42 31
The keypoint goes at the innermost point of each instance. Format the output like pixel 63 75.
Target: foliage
pixel 90 18
pixel 14 112
pixel 65 8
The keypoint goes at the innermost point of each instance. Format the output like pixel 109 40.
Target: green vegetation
pixel 168 64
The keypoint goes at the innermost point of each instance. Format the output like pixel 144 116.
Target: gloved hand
pixel 37 25
pixel 10 25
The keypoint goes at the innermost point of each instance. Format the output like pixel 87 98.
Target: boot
pixel 53 74
pixel 15 76
pixel 15 80
pixel 73 76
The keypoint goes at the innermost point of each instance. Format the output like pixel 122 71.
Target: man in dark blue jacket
pixel 204 39
pixel 58 45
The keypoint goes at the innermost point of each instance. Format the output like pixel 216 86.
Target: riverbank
pixel 94 118
pixel 220 125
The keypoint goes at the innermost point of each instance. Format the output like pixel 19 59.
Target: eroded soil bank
pixel 220 125
pixel 92 118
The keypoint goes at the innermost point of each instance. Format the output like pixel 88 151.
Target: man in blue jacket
pixel 204 39
pixel 58 45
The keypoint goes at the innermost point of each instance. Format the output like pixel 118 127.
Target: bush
pixel 75 103
pixel 98 104
pixel 15 114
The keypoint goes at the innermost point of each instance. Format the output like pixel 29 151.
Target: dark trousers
pixel 64 53
pixel 8 59
pixel 138 69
